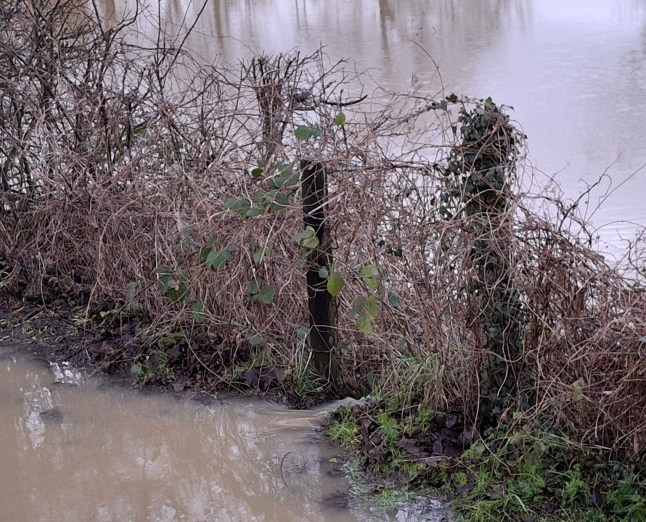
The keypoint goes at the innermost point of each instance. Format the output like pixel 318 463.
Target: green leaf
pixel 267 294
pixel 372 306
pixel 339 119
pixel 177 291
pixel 364 324
pixel 140 130
pixel 393 300
pixel 305 234
pixel 323 273
pixel 166 279
pixel 310 243
pixel 370 275
pixel 260 253
pixel 253 289
pixel 137 369
pixel 357 306
pixel 241 206
pixel 256 340
pixel 257 172
pixel 197 311
pixel 280 202
pixel 260 198
pixel 204 253
pixel 253 212
pixel 335 284
pixel 216 259
pixel 303 133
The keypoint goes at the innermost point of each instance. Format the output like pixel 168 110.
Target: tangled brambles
pixel 138 178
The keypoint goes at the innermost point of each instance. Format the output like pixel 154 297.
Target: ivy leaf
pixel 339 119
pixel 357 306
pixel 260 253
pixel 364 324
pixel 310 243
pixel 214 260
pixel 197 311
pixel 177 291
pixel 393 300
pixel 303 133
pixel 370 275
pixel 335 284
pixel 267 294
pixel 280 202
pixel 305 234
pixel 372 306
pixel 256 340
pixel 257 172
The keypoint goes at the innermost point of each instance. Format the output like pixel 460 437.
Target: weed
pixel 342 427
pixel 151 369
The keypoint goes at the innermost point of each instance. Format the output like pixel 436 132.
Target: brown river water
pixel 78 449
pixel 573 70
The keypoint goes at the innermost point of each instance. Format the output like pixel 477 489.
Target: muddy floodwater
pixel 76 449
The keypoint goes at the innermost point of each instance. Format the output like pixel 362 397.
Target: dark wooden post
pixel 322 307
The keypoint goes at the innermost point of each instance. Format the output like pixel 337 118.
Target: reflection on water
pixel 574 71
pixel 86 453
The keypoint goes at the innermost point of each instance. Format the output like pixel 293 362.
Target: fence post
pixel 322 307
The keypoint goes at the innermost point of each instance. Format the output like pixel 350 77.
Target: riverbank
pixel 174 237
pixel 395 453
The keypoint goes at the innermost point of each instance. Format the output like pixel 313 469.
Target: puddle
pixel 75 449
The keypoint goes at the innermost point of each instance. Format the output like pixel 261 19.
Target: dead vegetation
pixel 139 180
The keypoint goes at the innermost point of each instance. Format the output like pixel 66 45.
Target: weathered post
pixel 322 307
